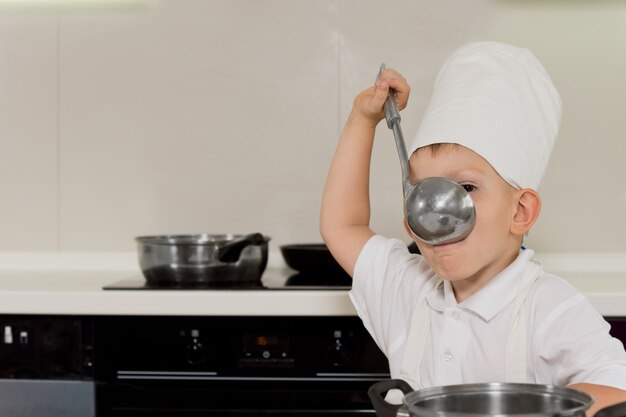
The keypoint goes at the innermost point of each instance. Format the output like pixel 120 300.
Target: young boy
pixel 479 310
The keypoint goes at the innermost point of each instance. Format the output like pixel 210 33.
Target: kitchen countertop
pixel 51 286
pixel 81 293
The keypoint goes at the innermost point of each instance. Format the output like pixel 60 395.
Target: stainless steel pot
pixel 481 400
pixel 202 259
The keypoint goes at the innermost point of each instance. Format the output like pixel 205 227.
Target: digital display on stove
pixel 263 342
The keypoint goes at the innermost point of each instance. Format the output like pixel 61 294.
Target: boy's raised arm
pixel 345 212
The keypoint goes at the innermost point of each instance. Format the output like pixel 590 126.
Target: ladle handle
pixel 390 107
pixel 392 115
pixel 391 110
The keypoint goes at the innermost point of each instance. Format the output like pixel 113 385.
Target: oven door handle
pixel 213 376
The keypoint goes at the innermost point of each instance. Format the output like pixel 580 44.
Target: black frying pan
pixel 315 258
pixel 311 258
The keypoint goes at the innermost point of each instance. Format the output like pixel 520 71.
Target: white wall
pixel 583 46
pixel 185 116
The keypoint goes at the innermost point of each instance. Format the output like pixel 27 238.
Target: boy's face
pixel 491 246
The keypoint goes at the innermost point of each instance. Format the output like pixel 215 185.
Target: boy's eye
pixel 468 187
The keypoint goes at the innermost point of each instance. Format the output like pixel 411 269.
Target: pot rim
pixel 585 400
pixel 198 239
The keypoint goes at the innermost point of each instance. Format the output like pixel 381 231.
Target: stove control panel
pixel 224 347
pixel 215 366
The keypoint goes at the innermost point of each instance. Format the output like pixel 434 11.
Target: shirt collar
pixel 492 298
pixel 441 296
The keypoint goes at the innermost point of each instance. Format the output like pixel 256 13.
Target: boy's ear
pixel 528 207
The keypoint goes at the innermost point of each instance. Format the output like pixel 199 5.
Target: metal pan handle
pixel 377 394
pixel 231 251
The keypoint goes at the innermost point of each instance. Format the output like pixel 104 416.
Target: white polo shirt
pixel 568 340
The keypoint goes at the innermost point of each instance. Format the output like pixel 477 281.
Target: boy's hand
pixel 368 105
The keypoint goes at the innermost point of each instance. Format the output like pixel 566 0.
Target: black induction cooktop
pixel 298 281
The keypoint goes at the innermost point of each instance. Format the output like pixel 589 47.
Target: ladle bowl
pixel 439 211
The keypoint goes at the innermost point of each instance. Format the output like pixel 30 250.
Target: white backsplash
pixel 185 116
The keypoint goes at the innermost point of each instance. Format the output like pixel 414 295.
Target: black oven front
pixel 235 366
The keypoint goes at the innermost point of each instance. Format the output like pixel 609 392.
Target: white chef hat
pixel 499 101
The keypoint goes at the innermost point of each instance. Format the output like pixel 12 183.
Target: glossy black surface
pixel 240 366
pixel 297 281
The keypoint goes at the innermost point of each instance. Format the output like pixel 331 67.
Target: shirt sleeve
pixel 387 282
pixel 573 346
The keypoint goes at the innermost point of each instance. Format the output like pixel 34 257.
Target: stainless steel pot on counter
pixel 202 259
pixel 486 400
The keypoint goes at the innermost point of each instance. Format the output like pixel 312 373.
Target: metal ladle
pixel 437 210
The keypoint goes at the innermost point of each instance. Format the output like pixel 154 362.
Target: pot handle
pixel 377 396
pixel 616 410
pixel 231 251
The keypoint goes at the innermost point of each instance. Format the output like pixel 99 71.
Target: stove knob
pixel 338 355
pixel 196 353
